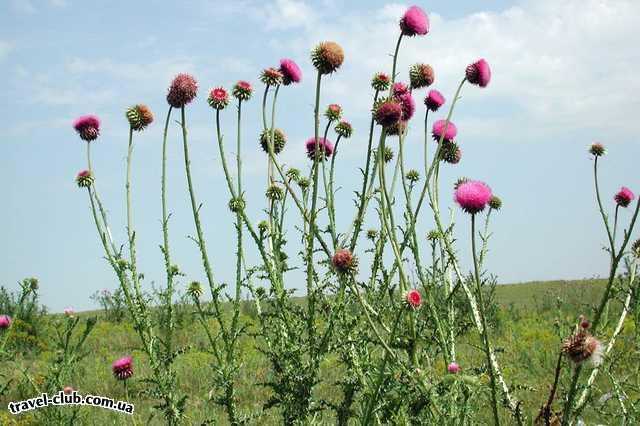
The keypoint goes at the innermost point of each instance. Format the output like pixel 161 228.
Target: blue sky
pixel 563 76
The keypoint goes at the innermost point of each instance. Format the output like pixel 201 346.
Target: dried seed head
pixel 327 57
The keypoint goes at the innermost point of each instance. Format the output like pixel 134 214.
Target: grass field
pixel 525 333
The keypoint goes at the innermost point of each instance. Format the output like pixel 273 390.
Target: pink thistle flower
pixel 444 130
pixel 380 81
pixel 473 196
pixel 123 368
pixel 242 90
pixel 387 113
pixel 333 112
pixel 421 75
pixel 408 106
pixel 413 298
pixel 271 76
pixel 84 179
pixel 139 116
pixel 183 90
pixel 434 100
pixel 453 368
pixel 290 71
pixel 344 261
pixel 414 22
pixel 479 73
pixel 324 146
pixel 399 89
pixel 5 322
pixel 218 98
pixel 624 197
pixel 68 311
pixel 88 127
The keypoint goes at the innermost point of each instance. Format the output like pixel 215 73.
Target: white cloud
pixel 561 65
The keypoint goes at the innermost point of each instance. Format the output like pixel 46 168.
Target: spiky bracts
pixel 236 204
pixel 344 129
pixel 218 98
pixel 434 100
pixel 387 112
pixel 344 261
pixel 84 179
pixel 333 112
pixel 123 368
pixel 194 290
pixel 582 346
pixel 495 202
pixel 414 22
pixel 274 193
pixel 291 72
pixel 635 248
pixel 479 73
pixel 183 90
pixel 242 90
pixel 421 75
pixel 327 57
pixel 139 117
pixel 325 148
pixel 271 76
pixel 279 140
pixel 597 149
pixel 413 176
pixel 88 127
pixel 624 197
pixel 380 81
pixel 450 152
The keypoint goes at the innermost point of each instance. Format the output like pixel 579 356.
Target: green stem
pixel 165 236
pixel 485 333
pixel 130 232
pixel 196 217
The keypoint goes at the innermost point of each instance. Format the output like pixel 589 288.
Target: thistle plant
pixel 386 305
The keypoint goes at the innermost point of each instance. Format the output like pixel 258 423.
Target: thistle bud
pixel 274 193
pixel 85 179
pixel 597 149
pixel 242 90
pixel 195 290
pixel 344 261
pixel 279 140
pixel 421 75
pixel 344 129
pixel 495 202
pixel 139 116
pixel 271 77
pixel 413 176
pixel 236 204
pixel 218 98
pixel 380 82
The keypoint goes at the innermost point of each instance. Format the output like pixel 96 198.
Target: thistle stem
pixel 485 333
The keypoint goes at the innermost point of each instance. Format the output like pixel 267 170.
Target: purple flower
pixel 88 127
pixel 123 368
pixel 291 72
pixel 5 322
pixel 624 197
pixel 325 146
pixel 479 73
pixel 441 127
pixel 414 22
pixel 473 196
pixel 434 100
pixel 183 90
